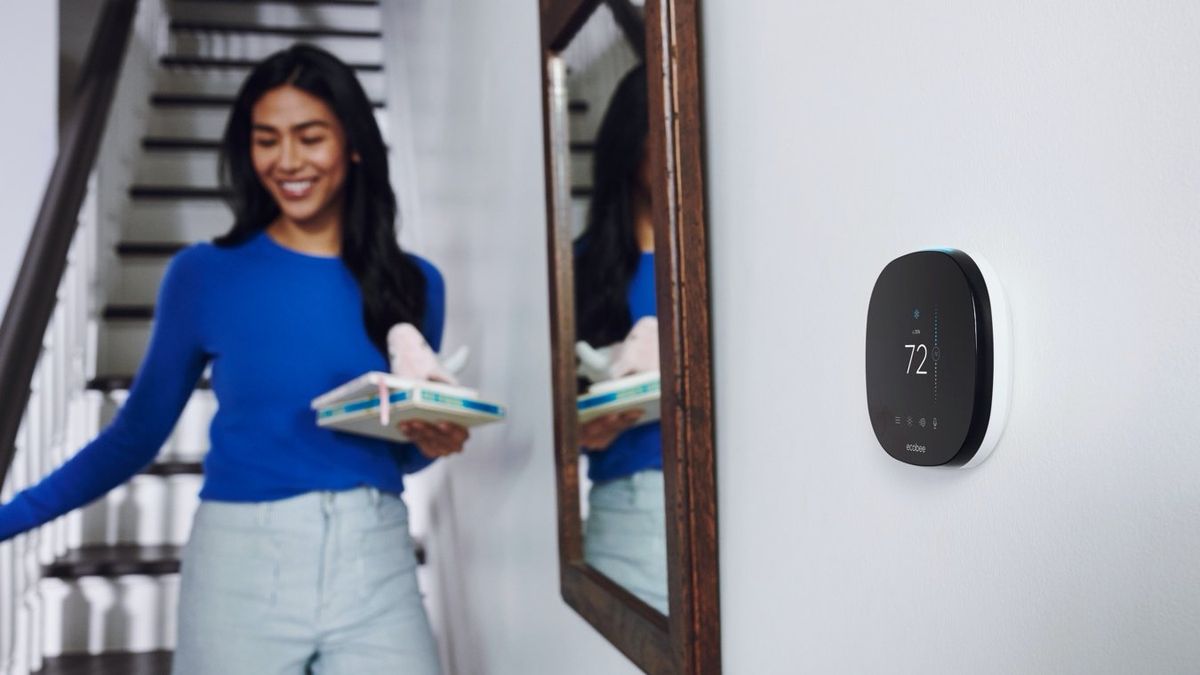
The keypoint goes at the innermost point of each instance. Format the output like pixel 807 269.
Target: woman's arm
pixel 169 371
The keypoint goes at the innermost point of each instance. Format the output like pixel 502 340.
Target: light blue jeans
pixel 323 583
pixel 625 537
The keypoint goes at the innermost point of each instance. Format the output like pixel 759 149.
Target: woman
pixel 299 556
pixel 625 535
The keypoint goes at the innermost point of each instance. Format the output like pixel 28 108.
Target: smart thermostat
pixel 939 359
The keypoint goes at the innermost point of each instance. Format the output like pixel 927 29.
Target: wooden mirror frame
pixel 689 640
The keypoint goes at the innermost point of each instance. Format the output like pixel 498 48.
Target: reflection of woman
pixel 300 554
pixel 625 535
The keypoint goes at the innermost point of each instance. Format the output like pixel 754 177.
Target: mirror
pixel 616 330
pixel 629 348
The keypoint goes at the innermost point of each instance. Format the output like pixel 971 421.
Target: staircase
pixel 108 604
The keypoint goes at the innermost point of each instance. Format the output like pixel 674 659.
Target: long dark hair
pixel 391 283
pixel 607 252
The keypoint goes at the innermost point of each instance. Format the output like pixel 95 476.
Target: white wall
pixel 28 36
pixel 472 100
pixel 1061 140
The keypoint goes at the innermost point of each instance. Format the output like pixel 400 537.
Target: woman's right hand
pixel 599 433
pixel 435 439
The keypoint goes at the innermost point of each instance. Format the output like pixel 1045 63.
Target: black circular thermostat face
pixel 929 356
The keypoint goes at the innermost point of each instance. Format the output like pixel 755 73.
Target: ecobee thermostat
pixel 939 359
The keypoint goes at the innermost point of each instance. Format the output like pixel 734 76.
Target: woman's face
pixel 298 148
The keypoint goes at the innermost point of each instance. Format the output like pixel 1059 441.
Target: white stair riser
pixel 209 122
pixel 581 169
pixel 189 440
pixel 227 81
pixel 192 168
pixel 579 212
pixel 279 14
pixel 582 128
pixel 97 614
pixel 148 510
pixel 176 221
pixel 122 344
pixel 138 281
pixel 234 45
pixel 195 123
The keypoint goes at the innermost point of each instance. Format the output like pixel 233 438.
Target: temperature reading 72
pixel 913 350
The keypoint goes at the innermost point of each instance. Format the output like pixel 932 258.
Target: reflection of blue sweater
pixel 638 448
pixel 280 327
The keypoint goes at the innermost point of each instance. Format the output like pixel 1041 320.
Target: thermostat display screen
pixel 922 358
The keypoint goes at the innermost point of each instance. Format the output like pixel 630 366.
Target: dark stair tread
pixel 205 62
pixel 206 100
pixel 114 561
pixel 129 312
pixel 149 249
pixel 112 663
pixel 164 143
pixel 176 192
pixel 581 192
pixel 108 383
pixel 111 382
pixel 361 3
pixel 292 31
pixel 174 468
pixel 355 3
pixel 577 106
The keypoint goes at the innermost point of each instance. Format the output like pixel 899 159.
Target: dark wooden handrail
pixel 34 294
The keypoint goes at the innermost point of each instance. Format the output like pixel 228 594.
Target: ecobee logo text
pixel 913 447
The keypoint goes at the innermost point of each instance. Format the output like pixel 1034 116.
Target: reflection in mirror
pixel 616 327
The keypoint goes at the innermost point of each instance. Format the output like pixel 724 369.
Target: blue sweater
pixel 640 447
pixel 280 327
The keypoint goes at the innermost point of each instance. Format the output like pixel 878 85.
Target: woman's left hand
pixel 435 439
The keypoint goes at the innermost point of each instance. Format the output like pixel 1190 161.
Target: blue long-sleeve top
pixel 279 327
pixel 638 448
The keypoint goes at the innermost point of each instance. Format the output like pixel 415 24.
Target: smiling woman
pixel 299 555
pixel 264 146
pixel 298 148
